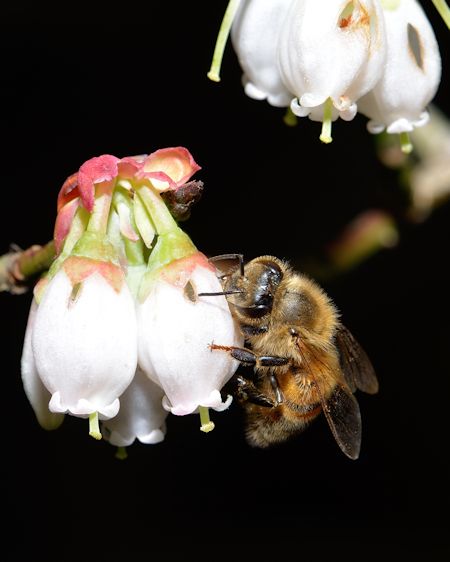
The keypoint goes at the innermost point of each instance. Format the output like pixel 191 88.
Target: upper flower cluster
pixel 116 330
pixel 332 58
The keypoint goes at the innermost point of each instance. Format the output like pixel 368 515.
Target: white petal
pixel 85 349
pixel 255 31
pixel 174 337
pixel 141 414
pixel 412 73
pixel 35 390
pixel 320 57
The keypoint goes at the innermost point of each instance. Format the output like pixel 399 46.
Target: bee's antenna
pixel 219 293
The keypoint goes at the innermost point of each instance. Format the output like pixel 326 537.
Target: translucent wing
pixel 355 364
pixel 343 416
pixel 339 406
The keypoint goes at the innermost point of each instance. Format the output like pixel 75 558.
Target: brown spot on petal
pixel 415 45
pixel 74 295
pixel 189 292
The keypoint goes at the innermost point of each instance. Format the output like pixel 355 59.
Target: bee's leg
pixel 276 389
pixel 248 357
pixel 246 391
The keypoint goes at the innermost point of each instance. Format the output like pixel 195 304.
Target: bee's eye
pixel 266 284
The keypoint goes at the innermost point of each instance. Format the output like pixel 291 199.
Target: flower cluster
pixel 332 58
pixel 117 331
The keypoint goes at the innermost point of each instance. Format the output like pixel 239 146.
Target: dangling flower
pixel 141 414
pixel 255 32
pixel 176 328
pixel 84 337
pixel 37 394
pixel 412 73
pixel 330 54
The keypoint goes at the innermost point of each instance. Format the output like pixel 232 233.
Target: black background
pixel 81 80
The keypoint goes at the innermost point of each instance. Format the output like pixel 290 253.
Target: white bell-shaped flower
pixel 84 344
pixel 255 32
pixel 411 75
pixel 141 415
pixel 331 50
pixel 37 394
pixel 175 330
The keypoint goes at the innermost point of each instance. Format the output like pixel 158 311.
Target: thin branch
pixel 18 268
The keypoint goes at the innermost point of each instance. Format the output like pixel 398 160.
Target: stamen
pixel 224 31
pixel 94 428
pixel 206 424
pixel 325 136
pixel 121 453
pixel 405 143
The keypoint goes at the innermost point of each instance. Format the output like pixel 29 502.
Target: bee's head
pixel 255 289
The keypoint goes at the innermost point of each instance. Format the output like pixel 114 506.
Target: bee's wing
pixel 355 364
pixel 340 407
pixel 343 416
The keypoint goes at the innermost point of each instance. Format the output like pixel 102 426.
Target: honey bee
pixel 305 360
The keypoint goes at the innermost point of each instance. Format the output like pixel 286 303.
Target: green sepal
pixel 96 246
pixel 171 246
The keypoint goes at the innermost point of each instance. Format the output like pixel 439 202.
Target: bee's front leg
pixel 246 389
pixel 248 357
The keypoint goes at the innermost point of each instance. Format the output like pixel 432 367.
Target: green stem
pixel 206 424
pixel 443 9
pixel 325 135
pixel 17 267
pixel 94 428
pixel 134 249
pixel 98 221
pixel 224 31
pixel 31 263
pixel 160 214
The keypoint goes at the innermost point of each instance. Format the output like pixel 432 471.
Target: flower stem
pixel 405 143
pixel 18 266
pixel 94 428
pixel 206 424
pixel 443 9
pixel 224 31
pixel 32 262
pixel 98 221
pixel 160 214
pixel 325 135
